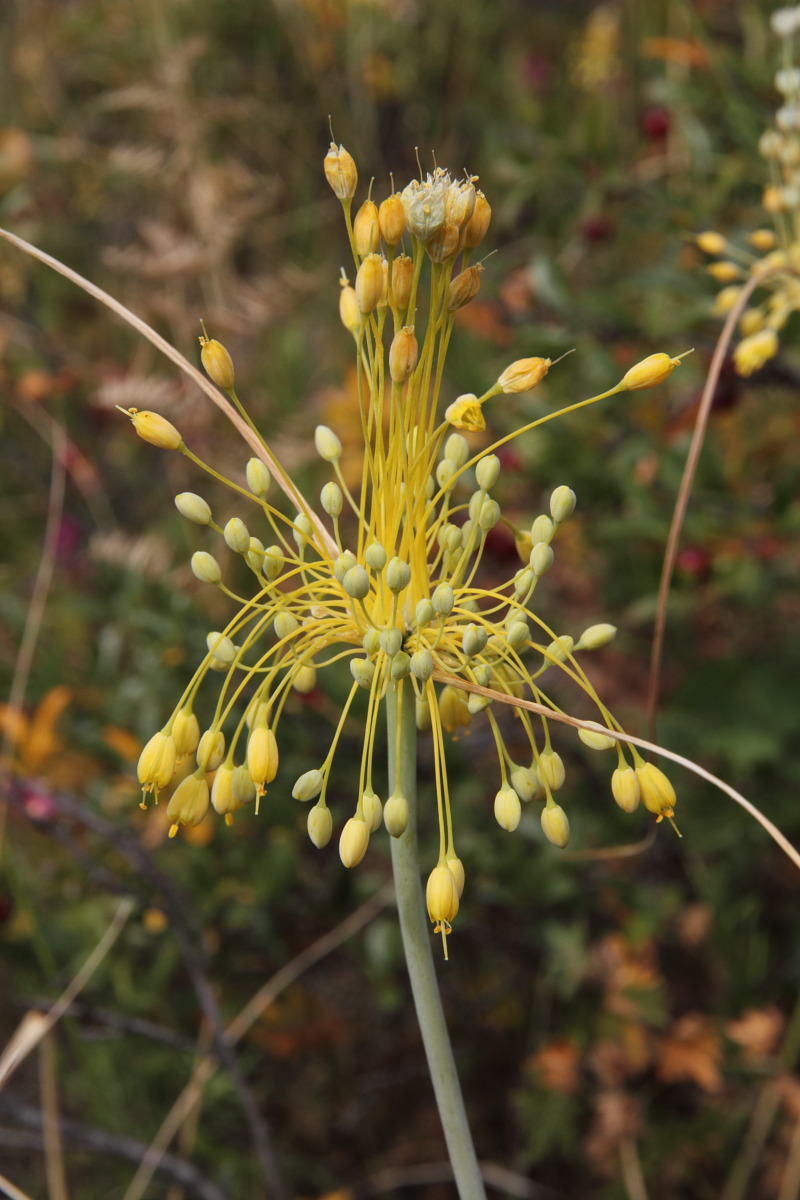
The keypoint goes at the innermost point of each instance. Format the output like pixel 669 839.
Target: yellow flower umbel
pixel 774 250
pixel 385 582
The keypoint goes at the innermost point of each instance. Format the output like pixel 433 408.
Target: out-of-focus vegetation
pixel 617 1017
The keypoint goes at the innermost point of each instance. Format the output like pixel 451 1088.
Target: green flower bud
pixel 518 634
pixel 205 567
pixel 375 556
pixel 303 529
pixel 456 448
pixel 487 471
pixel 320 825
pixel 401 665
pixel 331 499
pixel 489 514
pixel 398 575
pixel 211 750
pixel 482 674
pixel 193 507
pixel 308 785
pixel 523 582
pixel 550 768
pixel 422 664
pixel 371 641
pixel 596 636
pixel 343 563
pixel 541 558
pixel 395 814
pixel 236 536
pixel 473 640
pixel 273 561
pixel 356 582
pixel 391 641
pixel 285 624
pixel 423 613
pixel 562 503
pixel 596 741
pixel 443 599
pixel 258 477
pixel 477 703
pixel 555 825
pixel 327 443
pixel 507 809
pixel 255 555
pixel 526 784
pixel 363 671
pixel 542 530
pixel 221 647
pixel 445 471
pixel 372 809
pixel 559 650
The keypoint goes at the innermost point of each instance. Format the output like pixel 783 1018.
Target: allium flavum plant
pixel 387 580
pixel 775 252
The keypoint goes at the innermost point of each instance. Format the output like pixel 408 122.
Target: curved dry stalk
pixel 684 491
pixel 7 1188
pixel 594 726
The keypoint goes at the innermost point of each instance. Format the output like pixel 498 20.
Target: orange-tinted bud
pixel 366 231
pixel 392 220
pixel 369 283
pixel 217 362
pixel 524 374
pixel 711 242
pixel 649 372
pixel 403 354
pixel 340 172
pixel 402 280
pixel 445 243
pixel 464 288
pixel 478 224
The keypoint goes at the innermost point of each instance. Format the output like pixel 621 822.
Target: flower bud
pixel 320 825
pixel 562 504
pixel 596 636
pixel 372 810
pixel 649 372
pixel 423 613
pixel 255 555
pixel 456 448
pixel 285 624
pixel 304 679
pixel 217 362
pixel 487 471
pixel 441 896
pixel 262 757
pixel 478 223
pixel 185 732
pixel 421 665
pixel 221 648
pixel 157 761
pixel 223 799
pixel 327 443
pixel 366 231
pixel 302 529
pixel 523 374
pixel 465 413
pixel 657 793
pixel 526 783
pixel 550 768
pixel 507 809
pixel 443 599
pixel 258 477
pixel 375 556
pixel 724 272
pixel 205 567
pixel 392 220
pixel 473 640
pixel 237 536
pixel 401 665
pixel 402 279
pixel 398 575
pixel 395 814
pixel 555 825
pixel 403 354
pixel 371 641
pixel 464 287
pixel 340 172
pixel 596 740
pixel 353 842
pixel 193 507
pixel 363 672
pixel 369 283
pixel 349 312
pixel 188 803
pixel 541 559
pixel 331 499
pixel 559 649
pixel 711 242
pixel 753 351
pixel 457 868
pixel 308 785
pixel 476 703
pixel 391 641
pixel 518 634
pixel 211 750
pixel 154 429
pixel 356 582
pixel 762 240
pixel 625 789
pixel 422 713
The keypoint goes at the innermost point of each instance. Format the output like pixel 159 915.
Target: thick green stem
pixel 415 929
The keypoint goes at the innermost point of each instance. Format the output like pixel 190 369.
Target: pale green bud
pixel 237 536
pixel 398 575
pixel 424 613
pixel 205 567
pixel 456 448
pixel 308 785
pixel 258 477
pixel 560 649
pixel 453 537
pixel 327 443
pixel 343 564
pixel 542 529
pixel 320 825
pixel 476 504
pixel 395 814
pixel 443 599
pixel 331 499
pixel 363 671
pixel 221 647
pixel 596 741
pixel 489 514
pixel 541 558
pixel 303 529
pixel 518 634
pixel 477 703
pixel 372 809
pixel 371 641
pixel 473 640
pixel 507 809
pixel 422 665
pixel 391 641
pixel 193 507
pixel 356 582
pixel 526 784
pixel 562 503
pixel 523 582
pixel 375 556
pixel 596 636
pixel 482 674
pixel 445 471
pixel 555 825
pixel 273 562
pixel 487 471
pixel 550 768
pixel 255 554
pixel 285 624
pixel 401 665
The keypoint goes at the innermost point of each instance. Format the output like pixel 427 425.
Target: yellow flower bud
pixel 453 709
pixel 193 507
pixel 550 768
pixel 596 636
pixel 392 220
pixel 320 825
pixel 340 172
pixel 402 276
pixel 262 757
pixel 395 814
pixel 555 825
pixel 366 230
pixel 596 740
pixel 507 809
pixel 773 201
pixel 441 896
pixel 348 308
pixel 478 223
pixel 223 799
pixel 753 351
pixel 403 354
pixel 258 477
pixel 751 321
pixel 465 413
pixel 457 868
pixel 649 372
pixel 217 362
pixel 154 429
pixel 189 802
pixel 762 239
pixel 308 785
pixel 724 272
pixel 327 444
pixel 304 679
pixel 526 783
pixel 353 841
pixel 657 793
pixel 524 374
pixel 157 761
pixel 725 300
pixel 711 242
pixel 211 750
pixel 186 732
pixel 372 809
pixel 369 283
pixel 625 789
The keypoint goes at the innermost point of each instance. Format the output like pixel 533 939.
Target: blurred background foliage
pixel 625 1013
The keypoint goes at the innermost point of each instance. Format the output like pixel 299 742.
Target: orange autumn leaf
pixel 42 740
pixel 557 1066
pixel 691 1051
pixel 757 1031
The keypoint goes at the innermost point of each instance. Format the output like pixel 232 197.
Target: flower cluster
pixel 385 582
pixel 774 252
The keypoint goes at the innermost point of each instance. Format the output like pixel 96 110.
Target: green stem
pixel 415 929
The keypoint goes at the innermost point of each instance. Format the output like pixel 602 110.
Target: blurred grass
pixel 172 153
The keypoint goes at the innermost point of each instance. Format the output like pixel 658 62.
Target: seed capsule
pixel 478 223
pixel 464 288
pixel 403 354
pixel 402 278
